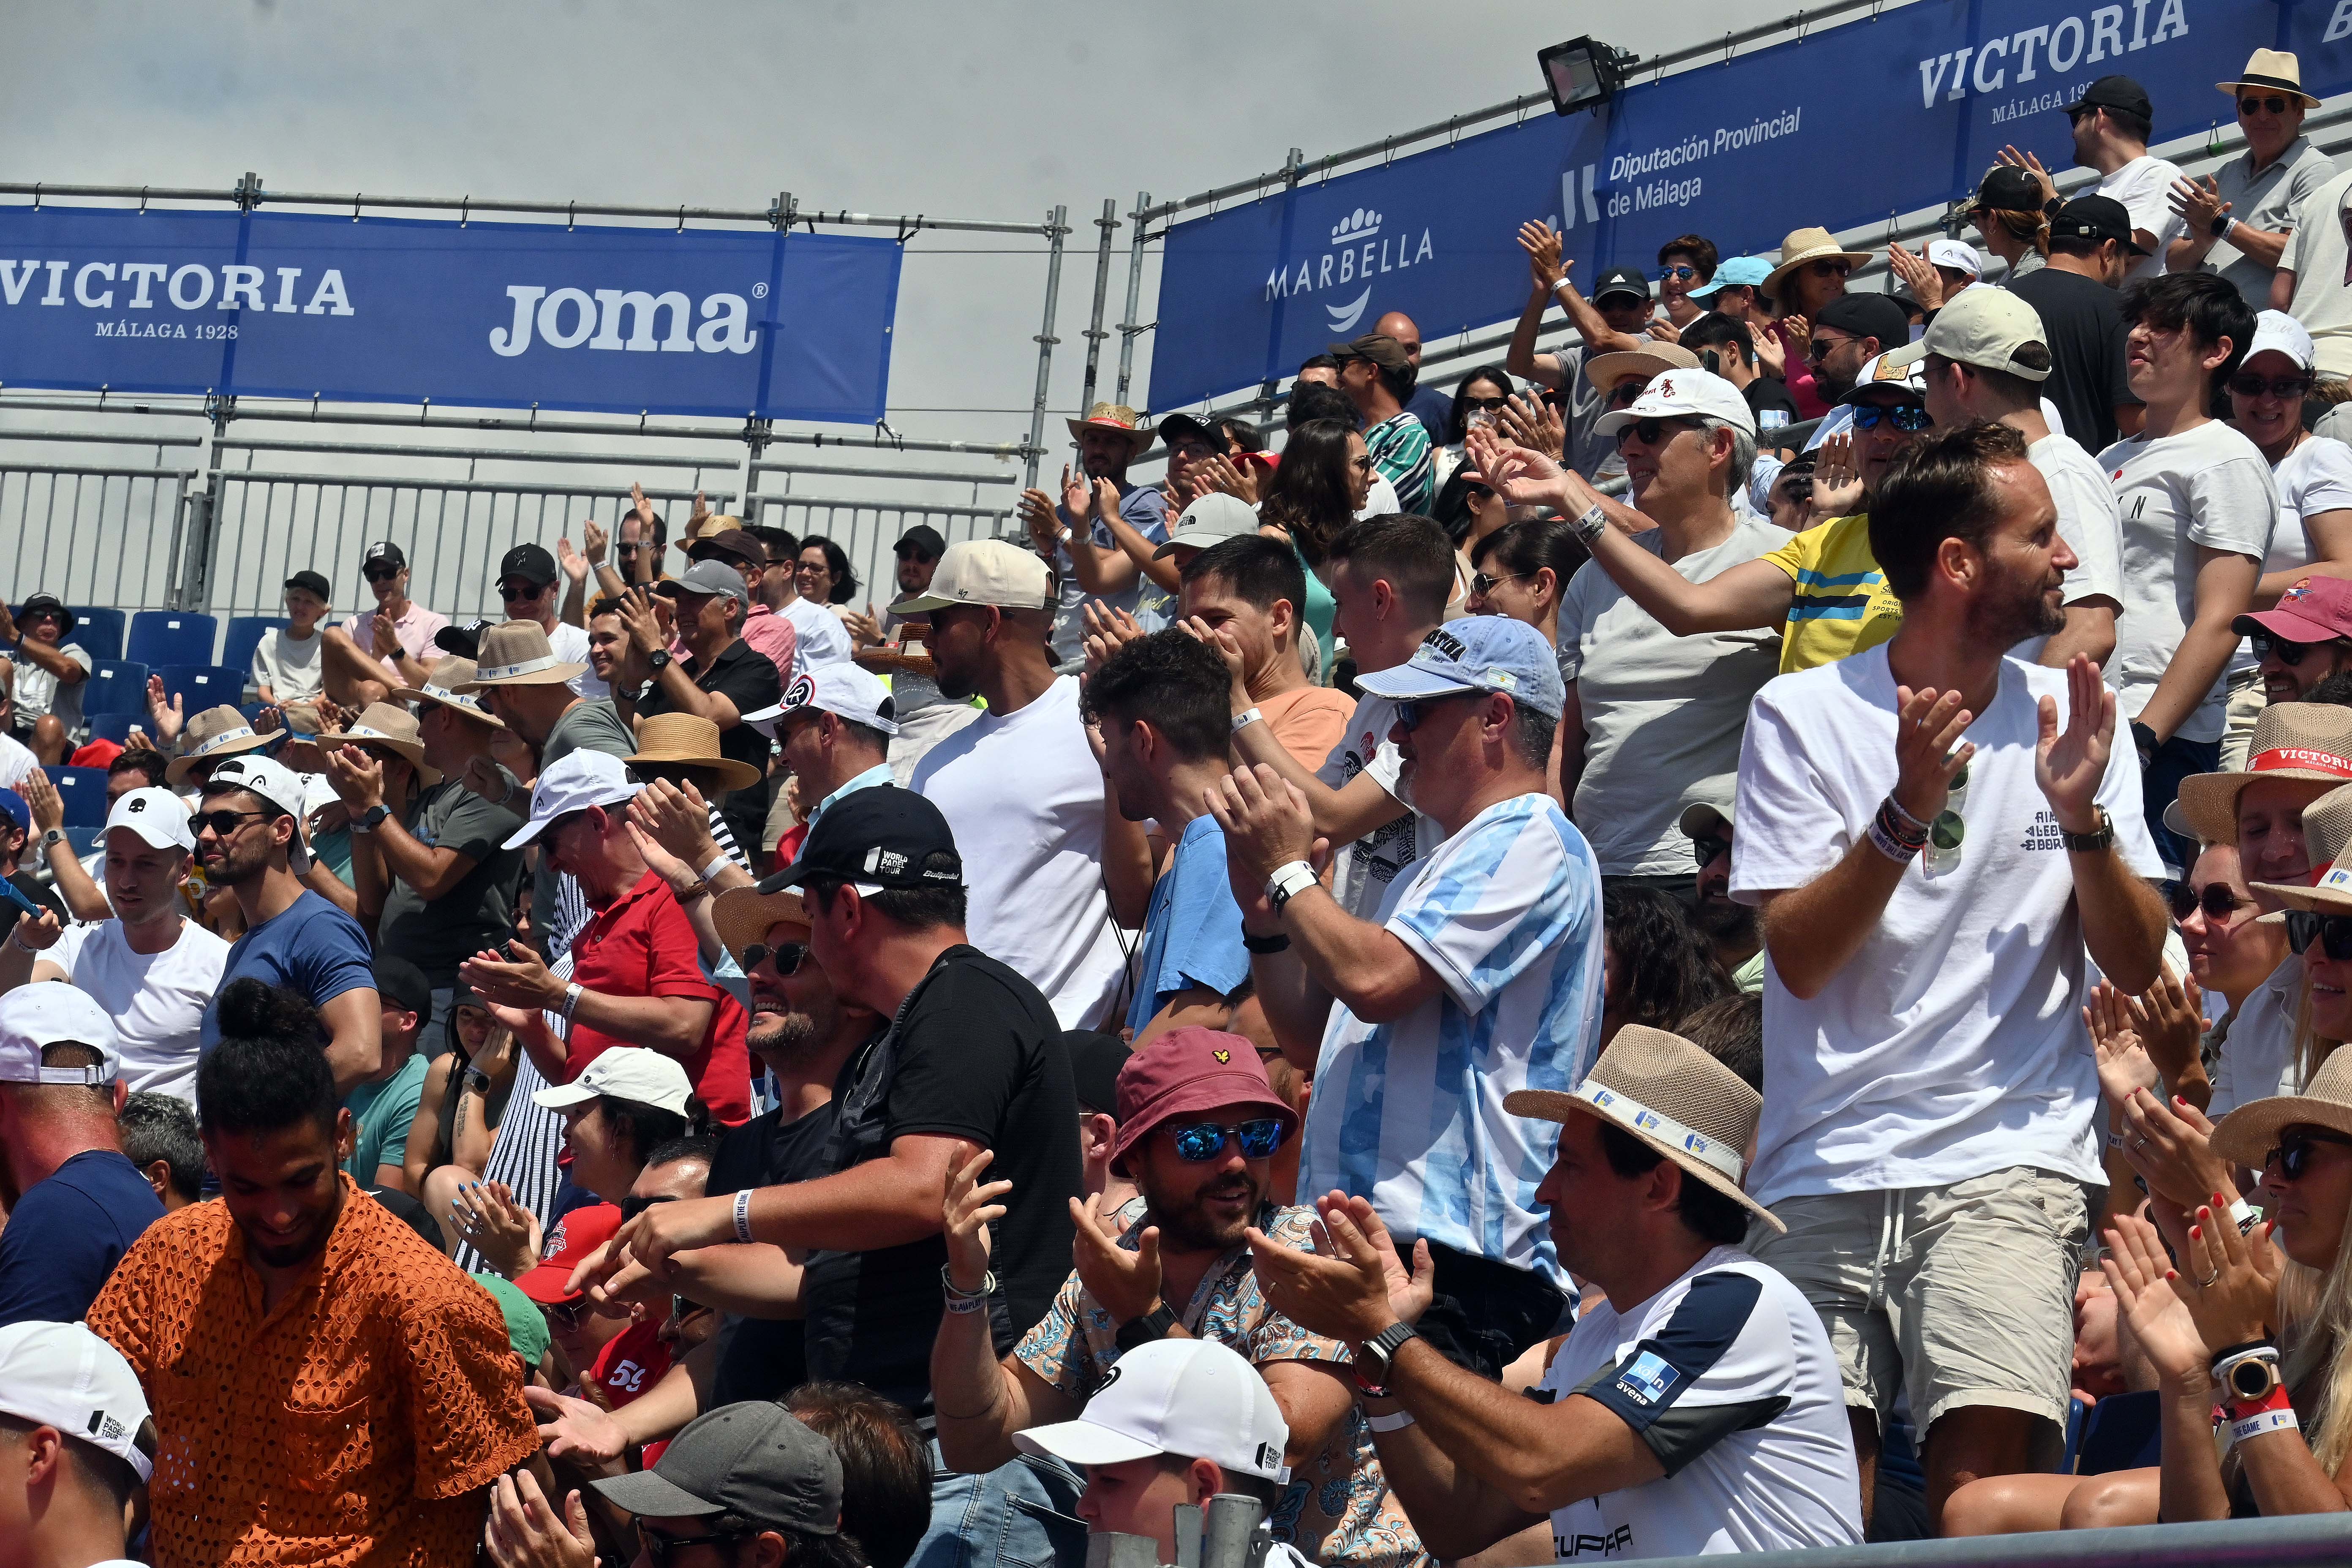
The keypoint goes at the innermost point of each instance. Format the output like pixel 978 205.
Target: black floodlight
pixel 1583 72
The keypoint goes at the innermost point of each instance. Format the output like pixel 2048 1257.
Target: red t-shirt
pixel 631 1362
pixel 641 944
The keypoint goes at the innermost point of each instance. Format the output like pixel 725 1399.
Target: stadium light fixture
pixel 1583 73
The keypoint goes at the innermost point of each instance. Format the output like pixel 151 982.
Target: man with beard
pixel 1198 1123
pixel 329 1388
pixel 248 838
pixel 2302 640
pixel 1849 331
pixel 1924 1077
pixel 1728 925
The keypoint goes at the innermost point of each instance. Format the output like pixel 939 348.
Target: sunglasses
pixel 1706 846
pixel 1820 349
pixel 2268 105
pixel 1685 273
pixel 1482 584
pixel 2292 1157
pixel 1491 404
pixel 2284 386
pixel 2289 653
pixel 1624 393
pixel 632 1207
pixel 567 1317
pixel 222 822
pixel 2216 899
pixel 658 1547
pixel 682 1308
pixel 1200 1142
pixel 380 576
pixel 1832 268
pixel 522 590
pixel 788 956
pixel 2333 933
pixel 1649 432
pixel 1903 416
pixel 813 567
pixel 627 549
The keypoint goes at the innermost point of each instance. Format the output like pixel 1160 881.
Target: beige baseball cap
pixel 1982 327
pixel 984 572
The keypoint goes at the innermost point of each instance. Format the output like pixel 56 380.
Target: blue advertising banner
pixel 1851 125
pixel 620 320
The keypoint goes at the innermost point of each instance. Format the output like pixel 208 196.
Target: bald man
pixel 1433 408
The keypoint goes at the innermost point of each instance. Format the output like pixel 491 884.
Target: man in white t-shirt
pixel 2199 506
pixel 2111 122
pixel 1928 1106
pixel 819 637
pixel 50 672
pixel 1389 576
pixel 150 968
pixel 528 585
pixel 1694 1409
pixel 1479 975
pixel 80 1447
pixel 2310 282
pixel 1020 784
pixel 1643 704
pixel 288 671
pixel 1986 358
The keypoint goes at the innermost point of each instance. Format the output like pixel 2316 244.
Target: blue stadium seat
pixel 115 686
pixel 243 635
pixel 115 727
pixel 87 839
pixel 201 686
pixel 159 637
pixel 82 791
pixel 97 631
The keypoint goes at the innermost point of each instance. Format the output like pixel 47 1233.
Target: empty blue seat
pixel 87 839
pixel 97 631
pixel 243 635
pixel 115 686
pixel 201 686
pixel 115 727
pixel 159 637
pixel 82 791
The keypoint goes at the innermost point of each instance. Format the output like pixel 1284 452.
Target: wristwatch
pixel 657 660
pixel 2221 225
pixel 370 819
pixel 2250 1376
pixel 1143 1330
pixel 1376 1360
pixel 2098 841
pixel 52 836
pixel 476 1082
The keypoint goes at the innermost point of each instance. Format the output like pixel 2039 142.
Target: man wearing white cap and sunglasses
pixel 248 834
pixel 833 727
pixel 77 1447
pixel 150 968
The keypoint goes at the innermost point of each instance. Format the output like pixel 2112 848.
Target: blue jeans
pixel 1022 1514
pixel 2159 786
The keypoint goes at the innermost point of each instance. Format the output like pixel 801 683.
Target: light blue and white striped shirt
pixel 1410 1113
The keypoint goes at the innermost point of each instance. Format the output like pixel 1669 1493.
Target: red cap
pixel 1186 1070
pixel 575 1236
pixel 2316 609
pixel 1269 461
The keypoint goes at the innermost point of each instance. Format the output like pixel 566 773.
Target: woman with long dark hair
pixel 1325 480
pixel 823 574
pixel 1478 397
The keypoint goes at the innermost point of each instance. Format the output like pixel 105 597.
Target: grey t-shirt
pixel 2267 200
pixel 478 912
pixel 2315 255
pixel 2087 521
pixel 1658 707
pixel 2209 487
pixel 39 692
pixel 1588 453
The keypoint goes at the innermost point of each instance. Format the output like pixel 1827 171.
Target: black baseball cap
pixel 1175 427
pixel 404 986
pixel 880 837
pixel 1094 1061
pixel 464 641
pixel 1867 316
pixel 2009 189
pixel 2096 218
pixel 1620 280
pixel 754 1460
pixel 531 563
pixel 49 604
pixel 921 540
pixel 2115 92
pixel 383 552
pixel 312 583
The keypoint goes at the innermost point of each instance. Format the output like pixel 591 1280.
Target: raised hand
pixel 1837 478
pixel 1078 496
pixel 504 1232
pixel 1927 284
pixel 2031 164
pixel 698 517
pixel 41 796
pixel 2069 765
pixel 574 1429
pixel 1662 331
pixel 2228 1281
pixel 1267 821
pixel 2124 1066
pixel 574 564
pixel 865 630
pixel 1037 515
pixel 592 541
pixel 1222 473
pixel 1545 267
pixel 1929 754
pixel 1341 1289
pixel 1108 629
pixel 1521 476
pixel 2198 202
pixel 2144 1281
pixel 2169 1143
pixel 1523 419
pixel 1411 1289
pixel 1229 648
pixel 358 777
pixel 967 1210
pixel 677 818
pixel 1126 1283
pixel 523 1530
pixel 165 710
pixel 2171 1016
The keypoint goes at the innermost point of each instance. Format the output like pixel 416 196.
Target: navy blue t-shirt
pixel 1434 409
pixel 313 949
pixel 66 1235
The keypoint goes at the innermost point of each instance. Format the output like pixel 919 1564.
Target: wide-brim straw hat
pixel 2306 740
pixel 1116 416
pixel 441 686
pixel 517 653
pixel 1803 244
pixel 1605 370
pixel 743 915
pixel 2327 841
pixel 393 728
pixel 2248 1134
pixel 2271 71
pixel 685 740
pixel 214 733
pixel 1674 1098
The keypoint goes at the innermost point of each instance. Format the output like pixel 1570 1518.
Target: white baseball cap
pixel 1981 326
pixel 65 1376
pixel 2277 330
pixel 156 815
pixel 1956 254
pixel 1891 372
pixel 573 782
pixel 49 1014
pixel 839 688
pixel 1679 393
pixel 984 572
pixel 625 1072
pixel 1211 519
pixel 274 782
pixel 1192 1398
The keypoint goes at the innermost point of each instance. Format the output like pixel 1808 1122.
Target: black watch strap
pixel 2096 842
pixel 1153 1325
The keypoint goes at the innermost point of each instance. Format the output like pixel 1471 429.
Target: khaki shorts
pixel 2246 705
pixel 1957 1295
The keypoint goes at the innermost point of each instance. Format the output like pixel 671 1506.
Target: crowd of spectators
pixel 1732 939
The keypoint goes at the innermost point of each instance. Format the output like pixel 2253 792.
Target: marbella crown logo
pixel 1360 251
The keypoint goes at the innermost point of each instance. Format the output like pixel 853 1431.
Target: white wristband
pixel 719 863
pixel 1593 524
pixel 1250 716
pixel 743 1214
pixel 2267 1421
pixel 2246 1215
pixel 571 998
pixel 1562 284
pixel 1392 1421
pixel 1288 879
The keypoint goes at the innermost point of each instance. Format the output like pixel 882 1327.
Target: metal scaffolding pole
pixel 1130 328
pixel 1094 334
pixel 1057 231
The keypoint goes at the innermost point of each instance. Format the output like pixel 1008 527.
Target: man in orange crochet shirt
pixel 327 1387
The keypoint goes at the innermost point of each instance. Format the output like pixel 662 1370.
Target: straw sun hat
pixel 2308 741
pixel 1804 245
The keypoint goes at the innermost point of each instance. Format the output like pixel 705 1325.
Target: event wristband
pixel 2268 1421
pixel 1886 844
pixel 2247 1216
pixel 1289 878
pixel 1564 284
pixel 719 862
pixel 1396 1420
pixel 1251 717
pixel 743 1216
pixel 571 998
pixel 1593 524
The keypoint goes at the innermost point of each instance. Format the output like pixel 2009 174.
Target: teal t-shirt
pixel 382 1113
pixel 1320 608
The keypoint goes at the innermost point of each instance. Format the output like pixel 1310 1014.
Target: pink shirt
pixel 415 630
pixel 772 635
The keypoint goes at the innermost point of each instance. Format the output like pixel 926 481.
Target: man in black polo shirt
pixel 2091 247
pixel 721 679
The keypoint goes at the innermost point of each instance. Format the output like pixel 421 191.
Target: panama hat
pixel 1670 1095
pixel 2309 741
pixel 1605 370
pixel 441 684
pixel 1116 416
pixel 393 728
pixel 2248 1134
pixel 742 915
pixel 685 739
pixel 2274 69
pixel 1803 244
pixel 214 733
pixel 517 653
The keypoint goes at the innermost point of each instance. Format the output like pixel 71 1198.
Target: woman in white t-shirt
pixel 286 670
